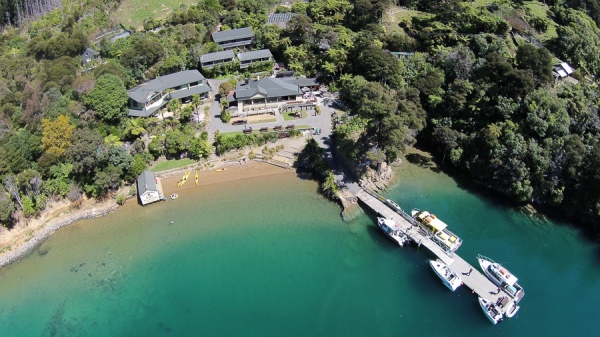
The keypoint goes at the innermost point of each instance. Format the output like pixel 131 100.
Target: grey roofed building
pixel 255 55
pixel 146 182
pixel 233 37
pixel 247 58
pixel 267 87
pixel 213 59
pixel 266 93
pixel 146 98
pixel 304 82
pixel 149 190
pixel 280 19
pixel 217 56
pixel 88 55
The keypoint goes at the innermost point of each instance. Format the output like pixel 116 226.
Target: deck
pixel 475 280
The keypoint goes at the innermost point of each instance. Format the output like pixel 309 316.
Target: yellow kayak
pixel 185 177
pixel 196 178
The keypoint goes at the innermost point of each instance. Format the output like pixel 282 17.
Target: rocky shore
pixel 39 237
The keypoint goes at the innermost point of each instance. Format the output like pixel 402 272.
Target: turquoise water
pixel 274 259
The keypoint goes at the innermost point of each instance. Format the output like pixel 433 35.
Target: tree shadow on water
pixel 423 162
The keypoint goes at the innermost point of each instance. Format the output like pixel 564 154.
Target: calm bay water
pixel 275 259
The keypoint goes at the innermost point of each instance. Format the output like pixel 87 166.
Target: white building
pixel 149 189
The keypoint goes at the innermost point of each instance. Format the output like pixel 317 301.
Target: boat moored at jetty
pixel 501 277
pixel 392 230
pixel 448 277
pixel 490 310
pixel 440 234
pixel 512 310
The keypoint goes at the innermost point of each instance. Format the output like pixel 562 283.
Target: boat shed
pixel 149 188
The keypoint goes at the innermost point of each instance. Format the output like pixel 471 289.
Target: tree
pixel 108 98
pixel 10 183
pixel 134 128
pixel 137 167
pixel 174 105
pixel 56 134
pixel 225 88
pixel 200 147
pixel 7 206
pixel 86 152
pixel 113 141
pixel 299 29
pixel 538 60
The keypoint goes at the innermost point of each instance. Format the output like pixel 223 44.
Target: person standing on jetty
pixel 469 272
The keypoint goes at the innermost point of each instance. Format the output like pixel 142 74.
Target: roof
pixel 402 53
pixel 280 19
pixel 286 73
pixel 232 34
pixel 304 82
pixel 198 89
pixel 559 72
pixel 567 68
pixel 220 55
pixel 267 87
pixel 433 221
pixel 90 53
pixel 146 182
pixel 143 92
pixel 254 55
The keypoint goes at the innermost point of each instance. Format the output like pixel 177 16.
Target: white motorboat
pixel 448 277
pixel 501 277
pixel 490 310
pixel 392 230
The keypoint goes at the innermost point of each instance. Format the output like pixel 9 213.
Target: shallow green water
pixel 274 259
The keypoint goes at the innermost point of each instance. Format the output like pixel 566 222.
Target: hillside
pixel 478 81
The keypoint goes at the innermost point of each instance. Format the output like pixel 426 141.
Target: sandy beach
pixel 28 234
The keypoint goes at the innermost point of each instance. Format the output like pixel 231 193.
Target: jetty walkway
pixel 470 276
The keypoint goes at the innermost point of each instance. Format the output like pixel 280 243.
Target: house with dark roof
pixel 279 19
pixel 149 188
pixel 247 58
pixel 210 60
pixel 232 38
pixel 88 55
pixel 147 98
pixel 265 93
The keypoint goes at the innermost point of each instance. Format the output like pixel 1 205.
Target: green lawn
pixel 171 164
pixel 133 12
pixel 394 15
pixel 289 115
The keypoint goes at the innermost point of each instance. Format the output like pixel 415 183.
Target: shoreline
pixel 30 234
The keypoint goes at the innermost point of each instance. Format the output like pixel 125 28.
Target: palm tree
pixel 134 128
pixel 329 68
pixel 345 78
pixel 285 42
pixel 112 140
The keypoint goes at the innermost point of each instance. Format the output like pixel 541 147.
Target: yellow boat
pixel 221 169
pixel 196 178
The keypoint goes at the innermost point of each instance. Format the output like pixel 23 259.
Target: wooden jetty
pixel 474 280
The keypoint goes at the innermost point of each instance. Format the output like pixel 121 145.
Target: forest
pixel 474 80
